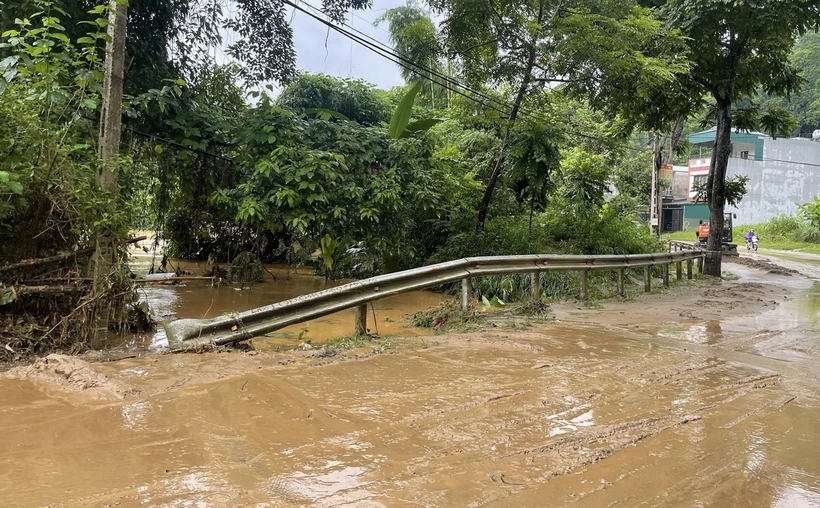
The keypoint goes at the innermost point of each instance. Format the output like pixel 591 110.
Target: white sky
pixel 340 56
pixel 320 51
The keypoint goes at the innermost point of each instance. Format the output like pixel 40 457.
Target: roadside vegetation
pixel 512 128
pixel 799 232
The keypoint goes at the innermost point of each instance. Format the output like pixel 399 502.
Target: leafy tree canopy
pixel 355 99
pixel 176 39
pixel 804 106
pixel 415 37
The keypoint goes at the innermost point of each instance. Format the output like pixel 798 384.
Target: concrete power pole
pixel 656 203
pixel 108 151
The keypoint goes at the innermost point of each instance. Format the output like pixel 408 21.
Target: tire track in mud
pixel 611 438
pixel 588 445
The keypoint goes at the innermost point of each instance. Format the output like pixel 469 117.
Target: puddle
pixel 787 331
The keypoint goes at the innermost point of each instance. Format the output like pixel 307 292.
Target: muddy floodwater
pixel 201 299
pixel 702 396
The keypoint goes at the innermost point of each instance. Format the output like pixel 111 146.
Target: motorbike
pixel 752 244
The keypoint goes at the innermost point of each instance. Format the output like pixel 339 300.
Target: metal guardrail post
pixel 361 320
pixel 621 274
pixel 689 264
pixel 700 265
pixel 679 270
pixel 647 279
pixel 584 285
pixel 466 292
pixel 666 276
pixel 535 283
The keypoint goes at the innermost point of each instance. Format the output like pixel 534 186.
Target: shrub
pixel 806 233
pixel 246 269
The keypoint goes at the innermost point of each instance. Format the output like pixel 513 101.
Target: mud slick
pixel 762 264
pixel 704 396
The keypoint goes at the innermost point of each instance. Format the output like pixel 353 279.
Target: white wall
pixel 775 184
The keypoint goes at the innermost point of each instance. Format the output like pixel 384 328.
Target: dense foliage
pixel 359 181
pixel 353 99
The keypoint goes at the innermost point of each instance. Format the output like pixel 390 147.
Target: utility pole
pixel 108 153
pixel 656 203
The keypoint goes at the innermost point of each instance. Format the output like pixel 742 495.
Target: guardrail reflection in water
pixel 253 323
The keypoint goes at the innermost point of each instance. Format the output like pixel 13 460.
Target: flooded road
pixel 576 416
pixel 700 396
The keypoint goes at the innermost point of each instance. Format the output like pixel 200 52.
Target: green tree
pixel 633 176
pixel 176 39
pixel 534 157
pixel 414 37
pixel 736 49
pixel 610 52
pixel 356 100
pixel 804 106
pixel 584 181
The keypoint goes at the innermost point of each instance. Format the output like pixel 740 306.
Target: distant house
pixel 782 172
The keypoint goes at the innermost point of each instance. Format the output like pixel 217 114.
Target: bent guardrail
pixel 253 323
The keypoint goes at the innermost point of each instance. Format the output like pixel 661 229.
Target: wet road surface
pixel 629 410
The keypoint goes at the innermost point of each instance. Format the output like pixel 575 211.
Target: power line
pixel 393 52
pixel 392 55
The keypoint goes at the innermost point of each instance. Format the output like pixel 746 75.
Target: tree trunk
pixel 716 186
pixel 109 145
pixel 519 99
pixel 532 212
pixel 674 139
pixel 656 200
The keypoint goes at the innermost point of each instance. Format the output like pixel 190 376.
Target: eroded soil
pixel 669 400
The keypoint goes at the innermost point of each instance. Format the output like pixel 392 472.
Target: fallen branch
pixel 58 257
pixel 57 280
pixel 42 261
pixel 49 290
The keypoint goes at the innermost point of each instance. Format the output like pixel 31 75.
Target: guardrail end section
pixel 184 331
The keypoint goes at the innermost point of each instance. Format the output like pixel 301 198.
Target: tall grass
pixel 784 232
pixel 784 228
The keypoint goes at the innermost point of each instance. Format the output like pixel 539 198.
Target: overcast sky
pixel 336 55
pixel 321 51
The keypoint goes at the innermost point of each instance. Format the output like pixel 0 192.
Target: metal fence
pixel 676 246
pixel 232 328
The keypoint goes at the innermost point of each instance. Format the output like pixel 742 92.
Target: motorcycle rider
pixel 749 236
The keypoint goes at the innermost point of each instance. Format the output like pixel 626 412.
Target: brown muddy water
pixel 560 417
pixel 200 299
pixel 723 413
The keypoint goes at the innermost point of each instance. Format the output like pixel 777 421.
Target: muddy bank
pixel 704 300
pixel 762 264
